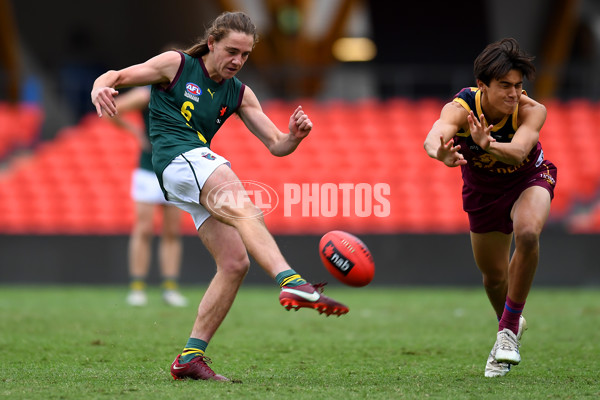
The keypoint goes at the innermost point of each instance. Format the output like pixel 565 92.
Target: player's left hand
pixel 481 132
pixel 300 125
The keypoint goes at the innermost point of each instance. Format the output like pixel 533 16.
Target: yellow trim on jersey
pixel 289 279
pixel 496 127
pixel 466 107
pixel 515 117
pixel 462 103
pixel 479 109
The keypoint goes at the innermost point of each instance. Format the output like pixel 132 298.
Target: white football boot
pixel 174 298
pixel 137 298
pixel 494 368
pixel 507 349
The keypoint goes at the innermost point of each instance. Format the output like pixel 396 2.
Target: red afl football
pixel 347 258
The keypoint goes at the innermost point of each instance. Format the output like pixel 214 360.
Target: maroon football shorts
pixel 489 211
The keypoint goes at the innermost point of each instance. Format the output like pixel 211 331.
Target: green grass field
pixel 85 343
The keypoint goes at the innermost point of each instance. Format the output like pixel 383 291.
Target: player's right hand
pixel 103 98
pixel 449 154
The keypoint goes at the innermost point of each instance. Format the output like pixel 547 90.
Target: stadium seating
pixel 79 182
pixel 19 126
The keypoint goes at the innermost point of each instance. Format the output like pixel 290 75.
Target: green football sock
pixel 289 278
pixel 194 348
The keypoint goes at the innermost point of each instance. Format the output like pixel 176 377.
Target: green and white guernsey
pixel 189 112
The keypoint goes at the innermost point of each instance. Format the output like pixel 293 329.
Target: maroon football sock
pixel 510 316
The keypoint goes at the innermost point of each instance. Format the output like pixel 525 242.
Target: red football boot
pixel 309 296
pixel 197 368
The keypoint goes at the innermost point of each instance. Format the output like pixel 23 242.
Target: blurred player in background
pixel 492 132
pixel 193 93
pixel 147 194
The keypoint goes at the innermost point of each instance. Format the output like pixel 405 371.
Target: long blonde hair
pixel 220 27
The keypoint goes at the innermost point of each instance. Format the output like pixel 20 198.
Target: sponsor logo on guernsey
pixel 207 155
pixel 548 178
pixel 488 162
pixel 337 259
pixel 192 91
pixel 540 159
pixel 222 111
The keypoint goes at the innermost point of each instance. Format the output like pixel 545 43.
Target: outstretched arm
pixel 439 143
pixel 279 143
pixel 532 116
pixel 159 69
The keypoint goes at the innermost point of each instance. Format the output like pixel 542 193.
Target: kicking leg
pixel 248 221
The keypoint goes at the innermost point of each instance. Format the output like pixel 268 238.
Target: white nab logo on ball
pixel 337 259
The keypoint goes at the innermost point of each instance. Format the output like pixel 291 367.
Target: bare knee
pixel 494 281
pixel 234 264
pixel 171 236
pixel 527 239
pixel 143 232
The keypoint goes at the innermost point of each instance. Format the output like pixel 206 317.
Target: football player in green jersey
pixel 193 93
pixel 147 195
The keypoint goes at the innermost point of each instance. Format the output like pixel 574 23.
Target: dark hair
pixel 220 27
pixel 498 58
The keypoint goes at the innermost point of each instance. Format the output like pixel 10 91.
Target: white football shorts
pixel 184 178
pixel 145 187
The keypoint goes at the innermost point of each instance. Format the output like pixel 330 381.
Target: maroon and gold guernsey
pixel 483 172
